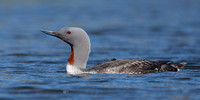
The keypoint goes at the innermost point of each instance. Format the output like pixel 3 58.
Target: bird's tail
pixel 175 67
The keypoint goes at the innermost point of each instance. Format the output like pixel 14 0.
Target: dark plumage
pixel 131 66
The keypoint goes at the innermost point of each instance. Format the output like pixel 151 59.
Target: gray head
pixel 78 39
pixel 72 35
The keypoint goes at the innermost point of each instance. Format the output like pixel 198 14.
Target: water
pixel 32 64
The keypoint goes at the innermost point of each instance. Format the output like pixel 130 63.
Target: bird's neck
pixel 78 58
pixel 71 57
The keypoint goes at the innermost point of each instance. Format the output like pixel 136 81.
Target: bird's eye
pixel 68 32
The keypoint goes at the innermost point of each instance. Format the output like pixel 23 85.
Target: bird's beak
pixel 52 33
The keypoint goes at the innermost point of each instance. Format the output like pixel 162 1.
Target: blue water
pixel 32 64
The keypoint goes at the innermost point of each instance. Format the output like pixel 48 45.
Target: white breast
pixel 73 69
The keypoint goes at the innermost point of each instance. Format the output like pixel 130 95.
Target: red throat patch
pixel 71 57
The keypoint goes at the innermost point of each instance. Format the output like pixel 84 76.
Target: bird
pixel 79 42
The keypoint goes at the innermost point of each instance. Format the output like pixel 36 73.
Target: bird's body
pixel 79 41
pixel 131 66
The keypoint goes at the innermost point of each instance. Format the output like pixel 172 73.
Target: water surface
pixel 32 64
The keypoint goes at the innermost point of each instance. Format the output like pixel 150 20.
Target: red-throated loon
pixel 79 41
